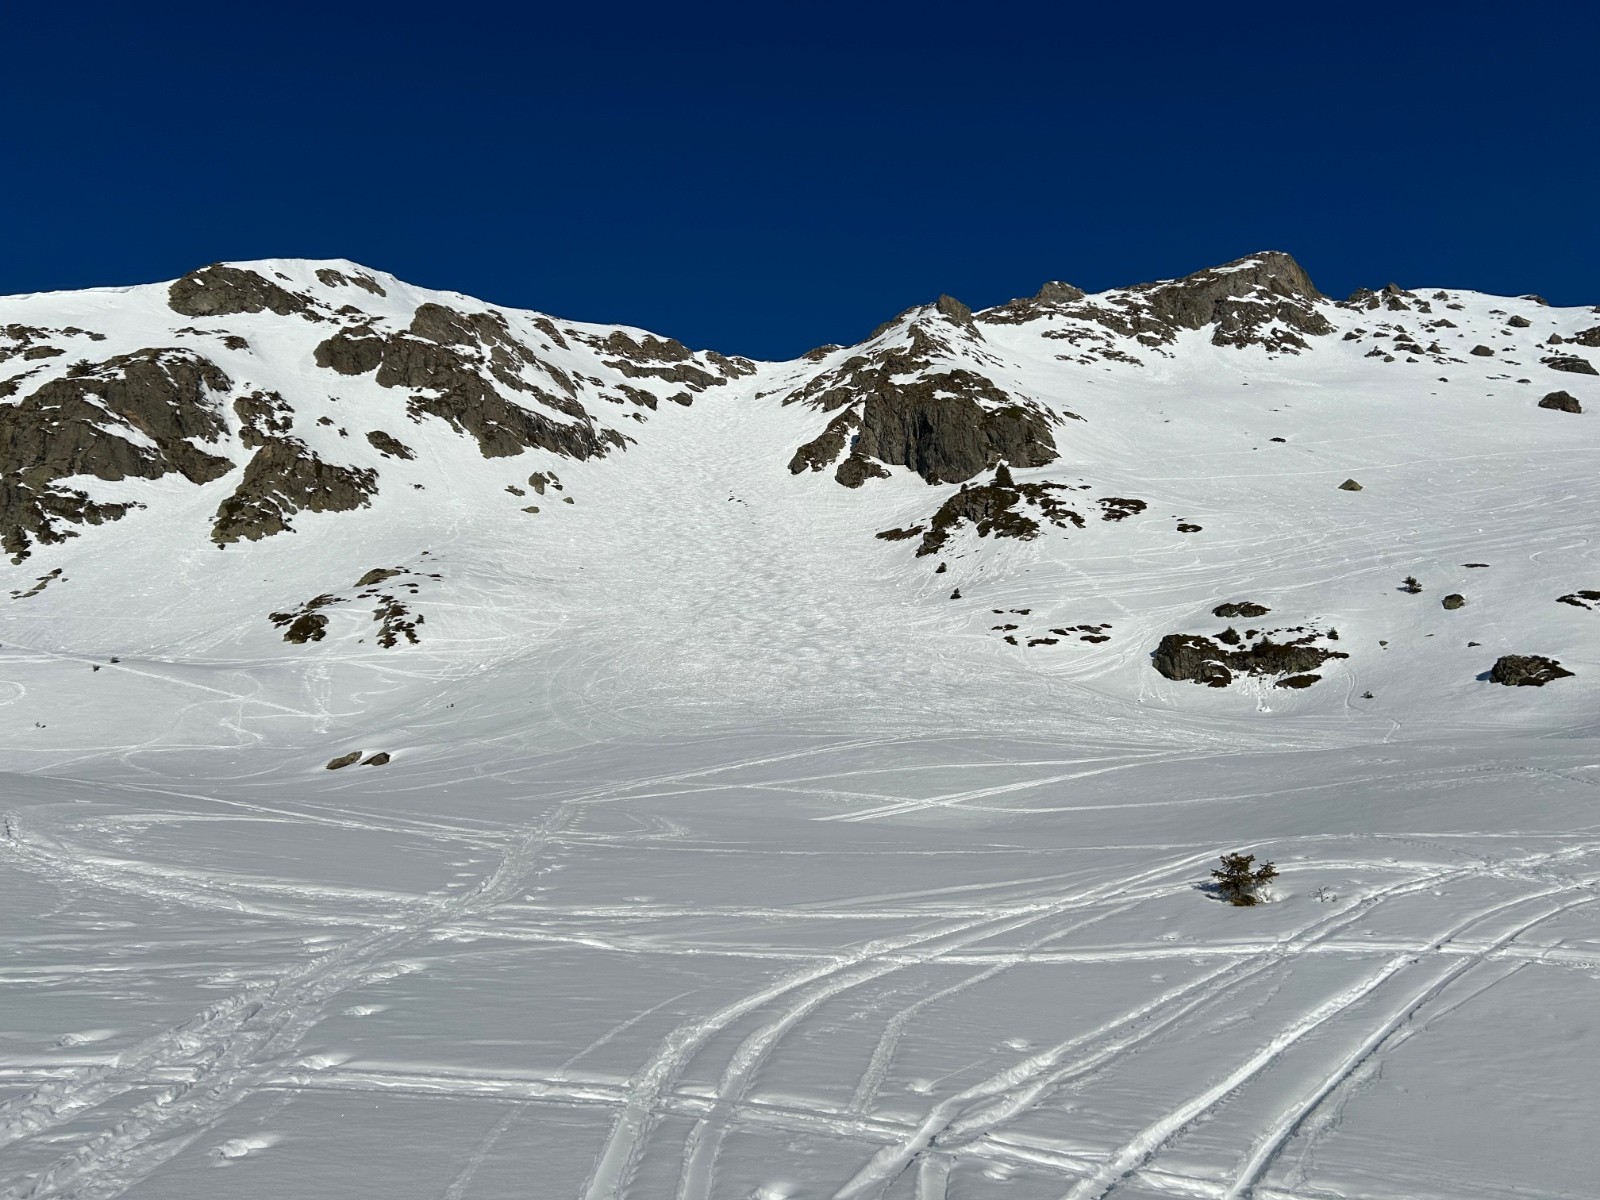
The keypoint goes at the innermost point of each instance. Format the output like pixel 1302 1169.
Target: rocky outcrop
pixel 999 509
pixel 1245 608
pixel 1570 363
pixel 285 477
pixel 825 449
pixel 937 427
pixel 909 402
pixel 1119 508
pixel 393 589
pixel 1526 670
pixel 133 416
pixel 856 470
pixel 219 291
pixel 1188 656
pixel 1264 300
pixel 353 352
pixel 459 368
pixel 331 278
pixel 947 427
pixel 1215 662
pixel 1052 296
pixel 1561 402
pixel 306 623
pixel 262 416
pixel 39 513
pixel 389 446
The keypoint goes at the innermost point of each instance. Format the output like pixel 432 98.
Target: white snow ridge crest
pixel 767 781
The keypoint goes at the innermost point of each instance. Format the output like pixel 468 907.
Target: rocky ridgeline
pixel 1265 300
pixel 174 408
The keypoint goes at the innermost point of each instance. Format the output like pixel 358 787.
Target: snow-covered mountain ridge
pixel 455 752
pixel 1047 489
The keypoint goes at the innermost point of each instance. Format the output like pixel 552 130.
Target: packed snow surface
pixel 723 855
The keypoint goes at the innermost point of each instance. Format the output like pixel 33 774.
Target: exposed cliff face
pixel 460 367
pixel 918 396
pixel 135 415
pixel 284 477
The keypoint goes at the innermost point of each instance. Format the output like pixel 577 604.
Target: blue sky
pixel 762 179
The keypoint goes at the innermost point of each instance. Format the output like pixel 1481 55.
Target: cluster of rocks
pixel 1527 670
pixel 999 509
pixel 381 758
pixel 284 477
pixel 459 367
pixel 392 614
pixel 1215 661
pixel 1264 300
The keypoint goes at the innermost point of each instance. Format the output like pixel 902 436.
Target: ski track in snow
pixel 203 1067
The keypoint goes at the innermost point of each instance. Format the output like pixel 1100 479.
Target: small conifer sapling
pixel 1238 881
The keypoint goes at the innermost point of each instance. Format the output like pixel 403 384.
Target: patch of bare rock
pixel 1292 657
pixel 1526 670
pixel 136 415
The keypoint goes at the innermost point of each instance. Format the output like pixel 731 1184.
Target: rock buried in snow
pixel 1298 681
pixel 1349 485
pixel 1562 402
pixel 1454 601
pixel 344 760
pixel 1526 670
pixel 376 760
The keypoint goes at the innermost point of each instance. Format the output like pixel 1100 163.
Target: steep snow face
pixel 796 779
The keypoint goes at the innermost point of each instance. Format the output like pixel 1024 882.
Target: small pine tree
pixel 1411 586
pixel 1238 881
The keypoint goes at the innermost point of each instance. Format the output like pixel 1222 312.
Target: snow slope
pixel 728 850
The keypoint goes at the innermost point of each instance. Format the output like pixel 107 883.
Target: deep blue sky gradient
pixel 760 179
